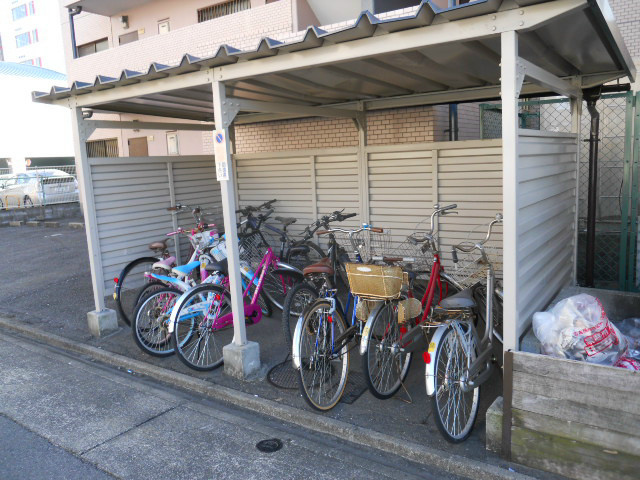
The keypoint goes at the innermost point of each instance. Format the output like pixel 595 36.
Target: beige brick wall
pixel 384 127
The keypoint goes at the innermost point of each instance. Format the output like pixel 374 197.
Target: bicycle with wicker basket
pixel 322 339
pixel 462 360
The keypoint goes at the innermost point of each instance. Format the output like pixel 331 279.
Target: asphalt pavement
pixel 63 417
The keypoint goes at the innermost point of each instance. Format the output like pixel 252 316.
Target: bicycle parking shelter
pixel 484 50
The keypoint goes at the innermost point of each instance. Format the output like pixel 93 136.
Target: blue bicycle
pixel 322 339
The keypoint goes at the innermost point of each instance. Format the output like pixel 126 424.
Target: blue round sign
pixel 219 138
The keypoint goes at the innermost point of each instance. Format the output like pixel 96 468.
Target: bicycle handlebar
pixel 467 249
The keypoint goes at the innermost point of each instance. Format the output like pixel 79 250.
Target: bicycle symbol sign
pixel 219 138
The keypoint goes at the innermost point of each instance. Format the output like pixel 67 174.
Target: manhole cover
pixel 269 446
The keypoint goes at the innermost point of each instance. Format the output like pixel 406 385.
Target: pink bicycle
pixel 201 319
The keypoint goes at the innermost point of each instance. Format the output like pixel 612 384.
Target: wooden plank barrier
pixel 575 418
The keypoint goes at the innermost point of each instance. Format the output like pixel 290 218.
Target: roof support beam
pixel 202 127
pixel 548 80
pixel 271 107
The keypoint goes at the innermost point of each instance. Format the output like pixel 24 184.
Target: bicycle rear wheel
pixel 298 299
pixel 324 365
pixel 305 255
pixel 150 327
pixel 385 367
pixel 197 336
pixel 455 410
pixel 276 286
pixel 130 281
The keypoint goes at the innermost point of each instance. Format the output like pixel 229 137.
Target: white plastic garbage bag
pixel 630 328
pixel 577 328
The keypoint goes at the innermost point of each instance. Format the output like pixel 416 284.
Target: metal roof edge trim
pixel 603 14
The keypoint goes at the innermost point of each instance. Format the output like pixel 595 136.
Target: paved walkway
pixel 70 418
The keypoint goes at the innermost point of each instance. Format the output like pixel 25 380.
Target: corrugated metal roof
pixel 581 43
pixel 11 69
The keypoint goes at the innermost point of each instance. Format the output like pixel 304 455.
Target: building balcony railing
pixel 241 30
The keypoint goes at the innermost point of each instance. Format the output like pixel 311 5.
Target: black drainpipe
pixel 453 122
pixel 72 13
pixel 592 95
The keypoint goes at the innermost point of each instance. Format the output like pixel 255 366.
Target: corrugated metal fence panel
pixel 401 194
pixel 471 177
pixel 546 196
pixel 337 184
pixel 288 179
pixel 195 184
pixel 130 202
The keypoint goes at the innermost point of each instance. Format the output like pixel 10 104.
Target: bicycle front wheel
pixel 198 333
pixel 454 409
pixel 324 363
pixel 385 367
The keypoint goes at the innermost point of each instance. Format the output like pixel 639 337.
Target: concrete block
pixel 15 224
pixel 76 225
pixel 52 224
pixel 33 223
pixel 241 361
pixel 103 322
pixel 494 426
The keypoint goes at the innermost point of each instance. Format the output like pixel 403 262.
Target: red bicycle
pixel 393 329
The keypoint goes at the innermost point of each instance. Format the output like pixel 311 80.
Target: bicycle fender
pixel 179 284
pixel 288 268
pixel 176 307
pixel 364 341
pixel 295 350
pixel 430 367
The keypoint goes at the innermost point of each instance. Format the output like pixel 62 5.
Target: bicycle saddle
pixel 220 267
pixel 323 266
pixel 463 299
pixel 160 245
pixel 286 221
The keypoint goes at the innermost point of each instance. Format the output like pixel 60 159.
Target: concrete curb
pixel 442 460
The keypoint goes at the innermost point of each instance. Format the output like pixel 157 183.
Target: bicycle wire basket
pixel 421 261
pixel 472 269
pixel 370 244
pixel 252 248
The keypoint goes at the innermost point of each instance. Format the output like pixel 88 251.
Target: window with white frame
pixel 172 143
pixel 163 26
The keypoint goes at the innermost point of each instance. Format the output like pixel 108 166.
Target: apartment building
pixel 30 34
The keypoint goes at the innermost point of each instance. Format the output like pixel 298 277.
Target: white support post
pixel 241 358
pixel 511 82
pixel 174 216
pixel 363 163
pixel 576 122
pixel 102 320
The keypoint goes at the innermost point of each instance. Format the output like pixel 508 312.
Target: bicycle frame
pixel 251 310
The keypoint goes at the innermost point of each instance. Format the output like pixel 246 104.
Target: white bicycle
pixel 459 361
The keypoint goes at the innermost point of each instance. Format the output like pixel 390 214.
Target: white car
pixel 37 187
